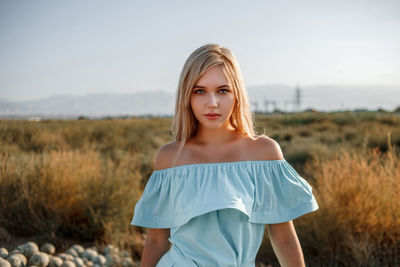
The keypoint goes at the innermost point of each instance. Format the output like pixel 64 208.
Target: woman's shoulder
pixel 265 148
pixel 259 147
pixel 166 154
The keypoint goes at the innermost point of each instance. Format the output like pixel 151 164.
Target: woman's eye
pixel 201 91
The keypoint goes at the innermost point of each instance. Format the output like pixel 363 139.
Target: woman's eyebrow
pixel 199 86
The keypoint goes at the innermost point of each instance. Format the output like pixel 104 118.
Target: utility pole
pixel 297 98
pixel 267 103
pixel 255 105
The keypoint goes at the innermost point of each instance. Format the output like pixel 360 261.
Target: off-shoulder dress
pixel 217 212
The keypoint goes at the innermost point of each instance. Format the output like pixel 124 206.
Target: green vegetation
pixel 81 179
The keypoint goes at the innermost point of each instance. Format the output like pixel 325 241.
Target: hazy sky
pixel 82 47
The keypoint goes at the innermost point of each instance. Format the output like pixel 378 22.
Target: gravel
pixel 29 254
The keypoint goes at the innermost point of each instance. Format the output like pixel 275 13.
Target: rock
pixel 72 252
pixel 68 263
pixel 55 262
pixel 110 249
pixel 95 249
pixel 100 259
pixel 3 253
pixel 112 255
pixel 17 260
pixel 66 257
pixel 48 248
pixel 128 262
pixel 79 262
pixel 28 249
pixel 4 263
pixel 89 254
pixel 28 254
pixel 79 249
pixel 125 254
pixel 113 259
pixel 39 259
pixel 15 251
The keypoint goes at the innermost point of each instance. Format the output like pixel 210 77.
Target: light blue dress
pixel 217 212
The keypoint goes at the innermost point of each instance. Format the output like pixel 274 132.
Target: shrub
pixel 359 216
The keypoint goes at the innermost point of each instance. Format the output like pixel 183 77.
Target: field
pixel 78 181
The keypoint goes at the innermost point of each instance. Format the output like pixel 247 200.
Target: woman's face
pixel 212 99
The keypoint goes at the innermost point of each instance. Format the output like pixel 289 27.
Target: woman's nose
pixel 212 100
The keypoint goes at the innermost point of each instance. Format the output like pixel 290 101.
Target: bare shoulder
pixel 266 148
pixel 165 155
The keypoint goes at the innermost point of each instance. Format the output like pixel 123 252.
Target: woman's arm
pixel 157 243
pixel 156 246
pixel 286 245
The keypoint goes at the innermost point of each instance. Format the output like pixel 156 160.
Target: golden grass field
pixel 80 179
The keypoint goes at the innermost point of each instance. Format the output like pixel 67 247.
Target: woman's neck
pixel 215 137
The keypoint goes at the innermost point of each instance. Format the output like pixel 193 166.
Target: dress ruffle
pixel 268 191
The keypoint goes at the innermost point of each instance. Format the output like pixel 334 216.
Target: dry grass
pixel 81 179
pixel 358 223
pixel 69 193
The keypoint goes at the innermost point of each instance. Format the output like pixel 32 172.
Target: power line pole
pixel 267 103
pixel 297 99
pixel 255 105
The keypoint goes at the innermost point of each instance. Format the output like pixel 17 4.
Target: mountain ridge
pixel 162 103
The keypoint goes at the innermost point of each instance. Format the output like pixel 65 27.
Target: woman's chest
pixel 236 152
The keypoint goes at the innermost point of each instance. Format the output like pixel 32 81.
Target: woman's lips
pixel 212 116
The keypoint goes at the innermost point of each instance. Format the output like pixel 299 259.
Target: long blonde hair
pixel 184 123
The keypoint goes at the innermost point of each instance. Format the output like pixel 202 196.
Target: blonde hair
pixel 184 123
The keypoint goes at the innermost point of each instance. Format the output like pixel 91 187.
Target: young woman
pixel 217 185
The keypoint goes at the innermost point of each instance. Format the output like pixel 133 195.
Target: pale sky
pixel 81 47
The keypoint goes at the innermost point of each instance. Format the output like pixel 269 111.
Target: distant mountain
pixel 93 105
pixel 160 103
